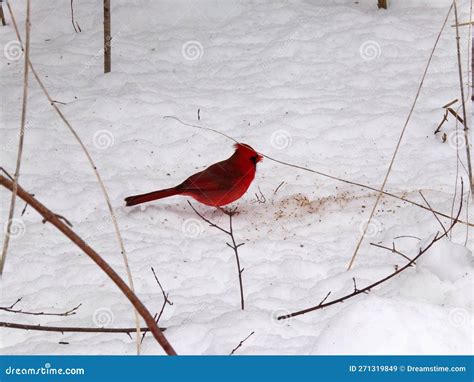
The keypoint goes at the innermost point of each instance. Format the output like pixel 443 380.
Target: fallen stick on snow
pixel 11 309
pixel 368 288
pixel 72 329
pixel 241 343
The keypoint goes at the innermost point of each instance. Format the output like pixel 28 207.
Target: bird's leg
pixel 229 211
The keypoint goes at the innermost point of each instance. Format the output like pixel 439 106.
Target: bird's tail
pixel 143 198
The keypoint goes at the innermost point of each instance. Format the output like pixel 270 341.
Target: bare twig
pixel 69 233
pixel 16 176
pixel 107 38
pixel 241 343
pixel 324 299
pixel 24 208
pixel 373 285
pixel 463 24
pixel 450 103
pixel 409 236
pixel 234 246
pixel 429 206
pixel 61 103
pixel 393 250
pixel 11 309
pixel 455 114
pixel 7 174
pixel 94 169
pixel 445 118
pixel 73 329
pixel 75 24
pixel 62 218
pixel 2 16
pixel 382 4
pixel 157 316
pixel 276 189
pixel 259 198
pixel 165 295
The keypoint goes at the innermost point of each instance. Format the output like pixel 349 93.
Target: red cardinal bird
pixel 218 185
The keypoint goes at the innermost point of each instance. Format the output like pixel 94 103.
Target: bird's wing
pixel 219 176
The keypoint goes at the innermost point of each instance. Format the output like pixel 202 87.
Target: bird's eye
pixel 254 160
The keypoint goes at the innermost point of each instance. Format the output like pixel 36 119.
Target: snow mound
pixel 393 326
pixel 447 260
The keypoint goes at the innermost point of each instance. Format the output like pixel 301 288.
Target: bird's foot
pixel 229 211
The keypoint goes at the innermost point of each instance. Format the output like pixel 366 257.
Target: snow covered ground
pixel 326 85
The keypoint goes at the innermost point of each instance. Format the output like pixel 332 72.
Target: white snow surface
pixel 327 85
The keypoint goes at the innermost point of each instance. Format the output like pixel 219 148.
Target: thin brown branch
pixel 107 38
pixel 381 281
pixel 2 15
pixel 241 343
pixel 324 299
pixel 436 216
pixel 166 300
pixel 450 103
pixel 393 250
pixel 165 295
pixel 11 309
pixel 234 246
pixel 276 189
pixel 259 197
pixel 408 236
pixel 7 174
pixel 455 114
pixel 69 329
pixel 382 4
pixel 94 256
pixel 62 218
pixel 207 220
pixel 75 24
pixel 463 24
pixel 445 118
